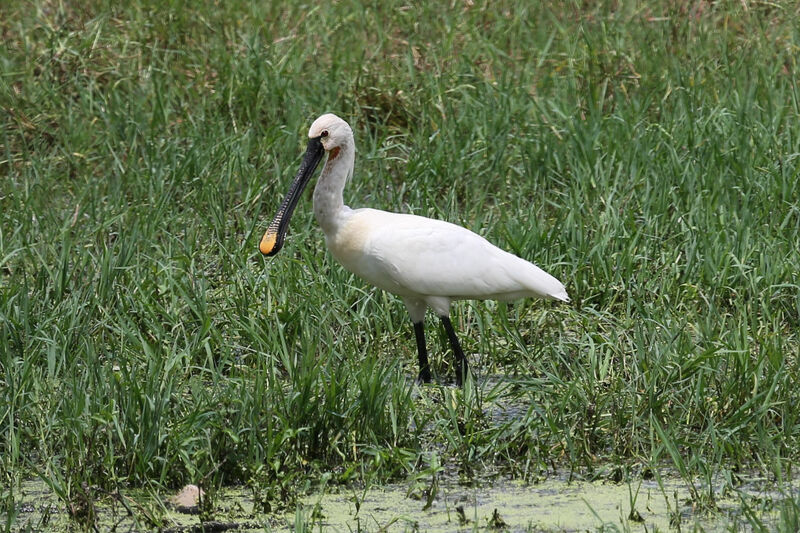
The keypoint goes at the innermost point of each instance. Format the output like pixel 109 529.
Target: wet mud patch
pixel 37 508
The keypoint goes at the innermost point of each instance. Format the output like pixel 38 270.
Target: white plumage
pixel 427 262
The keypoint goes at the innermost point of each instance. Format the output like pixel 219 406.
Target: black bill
pixel 272 241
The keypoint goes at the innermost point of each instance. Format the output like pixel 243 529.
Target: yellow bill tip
pixel 268 241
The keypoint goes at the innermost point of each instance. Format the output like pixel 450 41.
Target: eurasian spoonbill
pixel 426 262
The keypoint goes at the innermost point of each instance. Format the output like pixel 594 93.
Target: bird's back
pixel 416 256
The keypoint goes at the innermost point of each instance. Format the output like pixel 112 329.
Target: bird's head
pixel 328 134
pixel 332 132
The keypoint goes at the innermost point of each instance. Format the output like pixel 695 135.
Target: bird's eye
pixel 324 133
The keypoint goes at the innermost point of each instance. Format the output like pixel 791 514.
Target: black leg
pixel 422 353
pixel 461 362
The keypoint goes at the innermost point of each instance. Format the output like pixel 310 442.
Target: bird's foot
pixel 424 376
pixel 461 377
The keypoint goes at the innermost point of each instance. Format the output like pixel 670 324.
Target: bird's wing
pixel 422 256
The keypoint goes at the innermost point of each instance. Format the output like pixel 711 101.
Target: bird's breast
pixel 351 245
pixel 348 242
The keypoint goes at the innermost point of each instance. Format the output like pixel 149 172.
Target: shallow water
pixel 552 505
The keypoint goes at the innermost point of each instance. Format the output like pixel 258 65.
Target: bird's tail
pixel 560 295
pixel 541 283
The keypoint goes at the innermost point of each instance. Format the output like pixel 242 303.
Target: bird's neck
pixel 328 202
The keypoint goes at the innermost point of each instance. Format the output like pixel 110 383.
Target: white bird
pixel 426 262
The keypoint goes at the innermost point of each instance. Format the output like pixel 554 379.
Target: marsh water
pixel 555 504
pixel 557 501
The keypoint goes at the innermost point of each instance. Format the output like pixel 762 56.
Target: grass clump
pixel 644 154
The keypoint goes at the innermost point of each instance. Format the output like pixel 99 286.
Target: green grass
pixel 645 154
